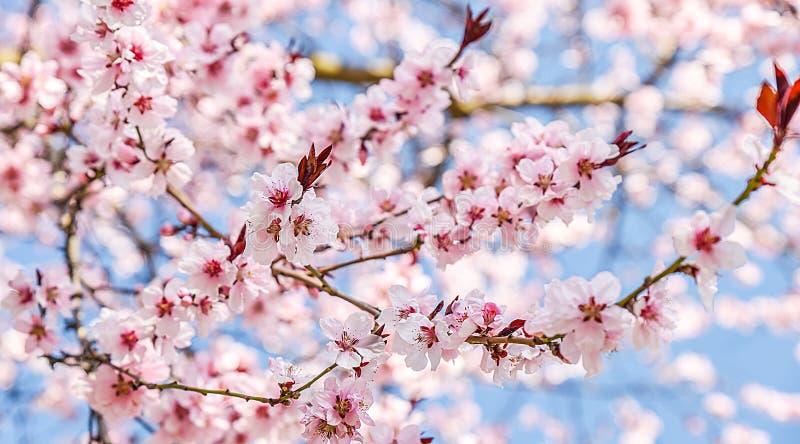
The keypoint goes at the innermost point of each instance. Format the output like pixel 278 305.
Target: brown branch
pixel 755 182
pixel 319 282
pixel 77 360
pixel 397 252
pixel 492 340
pixel 183 199
pixel 535 95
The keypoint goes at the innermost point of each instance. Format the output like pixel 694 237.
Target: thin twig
pixel 186 203
pixel 397 252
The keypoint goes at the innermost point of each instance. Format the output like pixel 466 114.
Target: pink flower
pixel 208 267
pixel 286 373
pixel 207 44
pixel 55 291
pixel 505 361
pixel 207 311
pixel 373 110
pixel 278 220
pixel 419 73
pixel 274 195
pixel 253 280
pixel 469 172
pixel 29 84
pixel 121 334
pixel 166 151
pixel 448 242
pixel 705 236
pixel 655 319
pixel 130 57
pixel 116 394
pixel 337 412
pixel 586 313
pixel 310 226
pixel 404 304
pixel 579 166
pixel 20 296
pixel 478 210
pixel 418 339
pixel 41 333
pixel 150 107
pixel 162 306
pixel 118 13
pixel 539 175
pixel 352 341
pixel 505 216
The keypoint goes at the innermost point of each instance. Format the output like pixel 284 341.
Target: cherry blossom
pixel 352 341
pixel 208 267
pixel 587 311
pixel 40 333
pixel 337 411
pixel 705 235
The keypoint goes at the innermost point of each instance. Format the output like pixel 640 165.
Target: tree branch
pixel 577 94
pixel 75 361
pixel 397 252
pixel 755 182
pixel 183 199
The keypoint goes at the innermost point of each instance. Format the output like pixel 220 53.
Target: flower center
pixel 545 180
pixel 279 198
pixel 592 311
pixel 274 228
pixel 38 331
pixel 376 115
pixel 121 4
pixel 212 268
pixel 122 387
pixel 427 336
pixel 705 240
pixel 164 307
pixel 503 216
pixel 468 180
pixel 129 339
pixel 302 225
pixel 343 406
pixel 585 168
pixel 425 78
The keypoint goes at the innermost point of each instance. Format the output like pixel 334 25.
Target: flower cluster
pixel 284 217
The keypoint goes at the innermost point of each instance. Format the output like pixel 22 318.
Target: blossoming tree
pixel 282 221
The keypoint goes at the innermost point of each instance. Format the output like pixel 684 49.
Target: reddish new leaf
pixel 436 310
pixel 791 102
pixel 474 29
pixel 767 104
pixel 625 147
pixel 780 80
pixel 239 245
pixel 312 166
pixel 512 327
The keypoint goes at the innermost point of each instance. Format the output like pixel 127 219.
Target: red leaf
pixel 239 245
pixel 767 104
pixel 436 310
pixel 780 80
pixel 449 308
pixel 512 327
pixel 792 100
pixel 311 166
